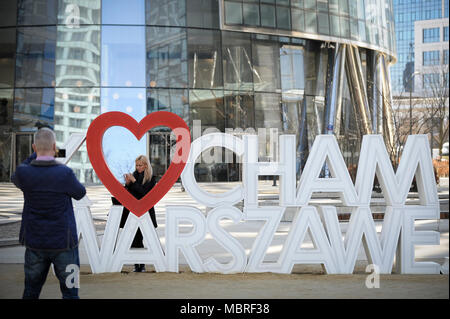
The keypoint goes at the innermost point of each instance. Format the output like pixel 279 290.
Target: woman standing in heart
pixel 139 184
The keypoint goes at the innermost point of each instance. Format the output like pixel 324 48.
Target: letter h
pixel 285 168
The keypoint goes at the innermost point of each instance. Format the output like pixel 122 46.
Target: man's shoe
pixel 142 268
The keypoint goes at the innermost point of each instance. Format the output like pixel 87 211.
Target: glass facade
pixel 263 67
pixel 431 58
pixel 370 22
pixel 406 13
pixel 431 35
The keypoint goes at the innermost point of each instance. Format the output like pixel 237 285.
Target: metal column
pixel 375 90
pixel 388 119
pixel 355 75
pixel 378 94
pixel 334 104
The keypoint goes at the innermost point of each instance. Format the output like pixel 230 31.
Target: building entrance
pixel 160 150
pixel 21 147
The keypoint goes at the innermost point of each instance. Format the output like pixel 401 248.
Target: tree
pixel 436 105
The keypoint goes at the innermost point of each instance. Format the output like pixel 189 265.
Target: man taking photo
pixel 48 228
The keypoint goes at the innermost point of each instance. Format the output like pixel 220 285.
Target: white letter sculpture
pixel 336 253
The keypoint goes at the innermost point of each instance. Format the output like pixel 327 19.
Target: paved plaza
pixel 304 282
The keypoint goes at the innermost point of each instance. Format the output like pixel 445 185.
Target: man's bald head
pixel 44 142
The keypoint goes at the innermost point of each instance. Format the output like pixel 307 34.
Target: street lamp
pixel 410 101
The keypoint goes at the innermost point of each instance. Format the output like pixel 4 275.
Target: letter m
pixel 415 161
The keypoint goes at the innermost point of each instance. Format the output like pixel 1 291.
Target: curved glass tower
pixel 266 67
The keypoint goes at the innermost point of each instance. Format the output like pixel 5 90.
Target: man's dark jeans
pixel 37 264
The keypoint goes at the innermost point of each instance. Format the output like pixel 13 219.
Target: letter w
pixel 98 258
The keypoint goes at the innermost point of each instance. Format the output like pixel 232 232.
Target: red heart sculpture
pixel 94 139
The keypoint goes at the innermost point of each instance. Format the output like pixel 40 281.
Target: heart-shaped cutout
pixel 94 138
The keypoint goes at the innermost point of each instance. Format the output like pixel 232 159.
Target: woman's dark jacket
pixel 139 190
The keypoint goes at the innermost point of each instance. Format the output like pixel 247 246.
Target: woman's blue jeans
pixel 37 264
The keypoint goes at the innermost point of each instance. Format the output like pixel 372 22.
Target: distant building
pixel 416 21
pixel 431 54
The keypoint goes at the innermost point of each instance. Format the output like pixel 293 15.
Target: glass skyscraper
pixel 406 12
pixel 302 67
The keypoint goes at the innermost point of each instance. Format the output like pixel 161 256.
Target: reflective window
pixel 78 62
pixel 446 33
pixel 362 30
pixel 127 100
pixel 446 9
pixel 161 144
pixel 172 100
pixel 166 12
pixel 37 12
pixel 323 24
pixel 207 106
pixel 268 16
pixel 445 59
pixel 7 57
pixel 345 27
pixel 237 64
pixel 205 60
pixel 78 12
pixel 315 69
pixel 431 35
pixel 123 56
pixel 233 12
pixel 268 112
pixel 334 6
pixel 290 110
pixel 361 10
pixel 297 3
pixel 33 108
pixel 310 22
pixel 283 2
pixel 239 110
pixel 166 57
pixel 343 7
pixel 266 59
pixel 6 108
pixel 251 14
pixel 123 12
pixel 75 109
pixel 283 18
pixel 354 29
pixel 8 13
pixel 310 4
pixel 335 25
pixel 298 20
pixel 431 58
pixel 35 60
pixel 120 146
pixel 203 13
pixel 353 9
pixel 322 5
pixel 292 69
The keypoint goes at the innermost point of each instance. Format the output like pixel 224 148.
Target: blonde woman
pixel 139 184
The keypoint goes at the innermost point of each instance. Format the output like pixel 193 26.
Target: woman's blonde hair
pixel 148 172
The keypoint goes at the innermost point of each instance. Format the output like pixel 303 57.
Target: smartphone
pixel 60 153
